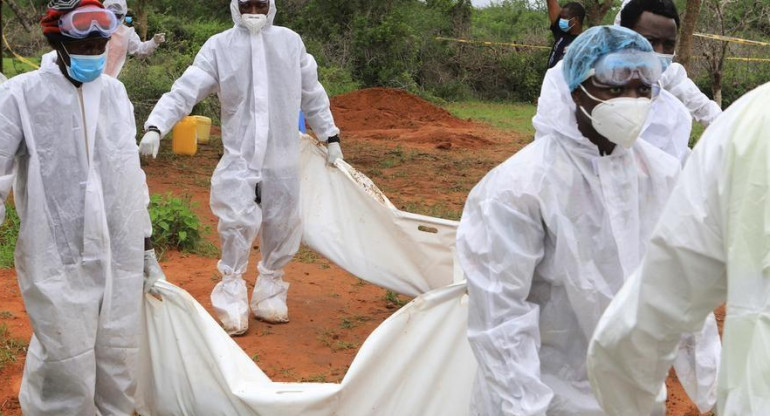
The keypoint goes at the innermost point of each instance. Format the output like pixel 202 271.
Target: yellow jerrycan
pixel 204 129
pixel 185 140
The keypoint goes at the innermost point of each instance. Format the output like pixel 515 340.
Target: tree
pixel 684 52
pixel 727 18
pixel 596 10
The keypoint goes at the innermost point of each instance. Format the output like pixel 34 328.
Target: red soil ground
pixel 416 152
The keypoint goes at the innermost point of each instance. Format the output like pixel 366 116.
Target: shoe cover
pixel 268 302
pixel 230 300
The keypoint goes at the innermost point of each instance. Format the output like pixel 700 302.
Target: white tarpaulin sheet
pixel 417 362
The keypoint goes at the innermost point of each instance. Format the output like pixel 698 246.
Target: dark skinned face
pixel 633 89
pixel 661 31
pixel 577 27
pixel 88 46
pixel 254 7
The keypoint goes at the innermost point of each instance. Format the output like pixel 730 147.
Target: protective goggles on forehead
pixel 82 22
pixel 617 69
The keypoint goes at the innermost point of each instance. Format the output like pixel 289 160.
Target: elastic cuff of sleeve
pixel 153 128
pixel 333 139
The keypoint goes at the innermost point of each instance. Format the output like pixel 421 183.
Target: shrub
pixel 174 223
pixel 9 233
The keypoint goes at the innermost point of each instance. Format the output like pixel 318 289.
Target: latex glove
pixel 335 152
pixel 152 271
pixel 159 38
pixel 150 144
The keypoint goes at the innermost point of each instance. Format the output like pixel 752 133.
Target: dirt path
pixel 424 159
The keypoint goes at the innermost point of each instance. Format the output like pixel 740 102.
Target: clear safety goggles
pixel 84 21
pixel 619 68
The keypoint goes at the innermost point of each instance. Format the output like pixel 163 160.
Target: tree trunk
pixel 595 11
pixel 684 52
pixel 20 14
pixel 141 19
pixel 716 88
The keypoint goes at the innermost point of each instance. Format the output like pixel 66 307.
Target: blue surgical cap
pixel 595 43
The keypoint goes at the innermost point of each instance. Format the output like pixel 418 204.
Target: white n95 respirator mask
pixel 620 120
pixel 254 22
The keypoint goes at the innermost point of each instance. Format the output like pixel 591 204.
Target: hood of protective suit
pixel 556 108
pixel 237 14
pixel 121 3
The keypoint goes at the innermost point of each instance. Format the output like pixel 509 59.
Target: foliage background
pixel 361 43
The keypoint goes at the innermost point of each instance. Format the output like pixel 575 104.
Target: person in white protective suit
pixel 2 78
pixel 710 247
pixel 125 41
pixel 547 238
pixel 68 148
pixel 263 76
pixel 658 22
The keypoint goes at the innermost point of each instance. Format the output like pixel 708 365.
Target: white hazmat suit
pixel 676 81
pixel 71 156
pixel 2 78
pixel 710 246
pixel 546 240
pixel 125 41
pixel 262 81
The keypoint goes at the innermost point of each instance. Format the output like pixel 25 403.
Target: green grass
pixel 10 348
pixel 505 116
pixel 12 67
pixel 697 131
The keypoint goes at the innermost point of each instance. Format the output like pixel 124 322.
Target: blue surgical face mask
pixel 564 25
pixel 86 68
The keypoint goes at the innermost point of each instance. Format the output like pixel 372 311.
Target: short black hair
pixel 576 10
pixel 632 12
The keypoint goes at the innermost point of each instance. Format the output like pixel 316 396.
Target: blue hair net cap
pixel 595 43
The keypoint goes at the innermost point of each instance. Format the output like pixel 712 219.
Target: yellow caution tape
pixel 19 57
pixel 736 58
pixel 731 39
pixel 479 42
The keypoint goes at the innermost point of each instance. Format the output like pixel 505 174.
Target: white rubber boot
pixel 230 300
pixel 268 302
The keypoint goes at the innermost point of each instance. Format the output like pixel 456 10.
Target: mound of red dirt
pixel 390 114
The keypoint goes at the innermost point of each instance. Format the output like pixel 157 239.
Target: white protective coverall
pixel 71 156
pixel 2 78
pixel 262 81
pixel 668 126
pixel 125 41
pixel 676 81
pixel 710 246
pixel 545 241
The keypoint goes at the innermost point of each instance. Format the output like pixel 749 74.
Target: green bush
pixel 174 224
pixel 337 80
pixel 9 232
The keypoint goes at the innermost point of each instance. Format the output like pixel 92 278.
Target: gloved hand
pixel 159 38
pixel 150 144
pixel 335 152
pixel 152 271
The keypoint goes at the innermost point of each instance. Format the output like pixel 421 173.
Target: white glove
pixel 335 152
pixel 150 144
pixel 159 38
pixel 152 271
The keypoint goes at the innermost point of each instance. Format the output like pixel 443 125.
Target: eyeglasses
pixel 82 22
